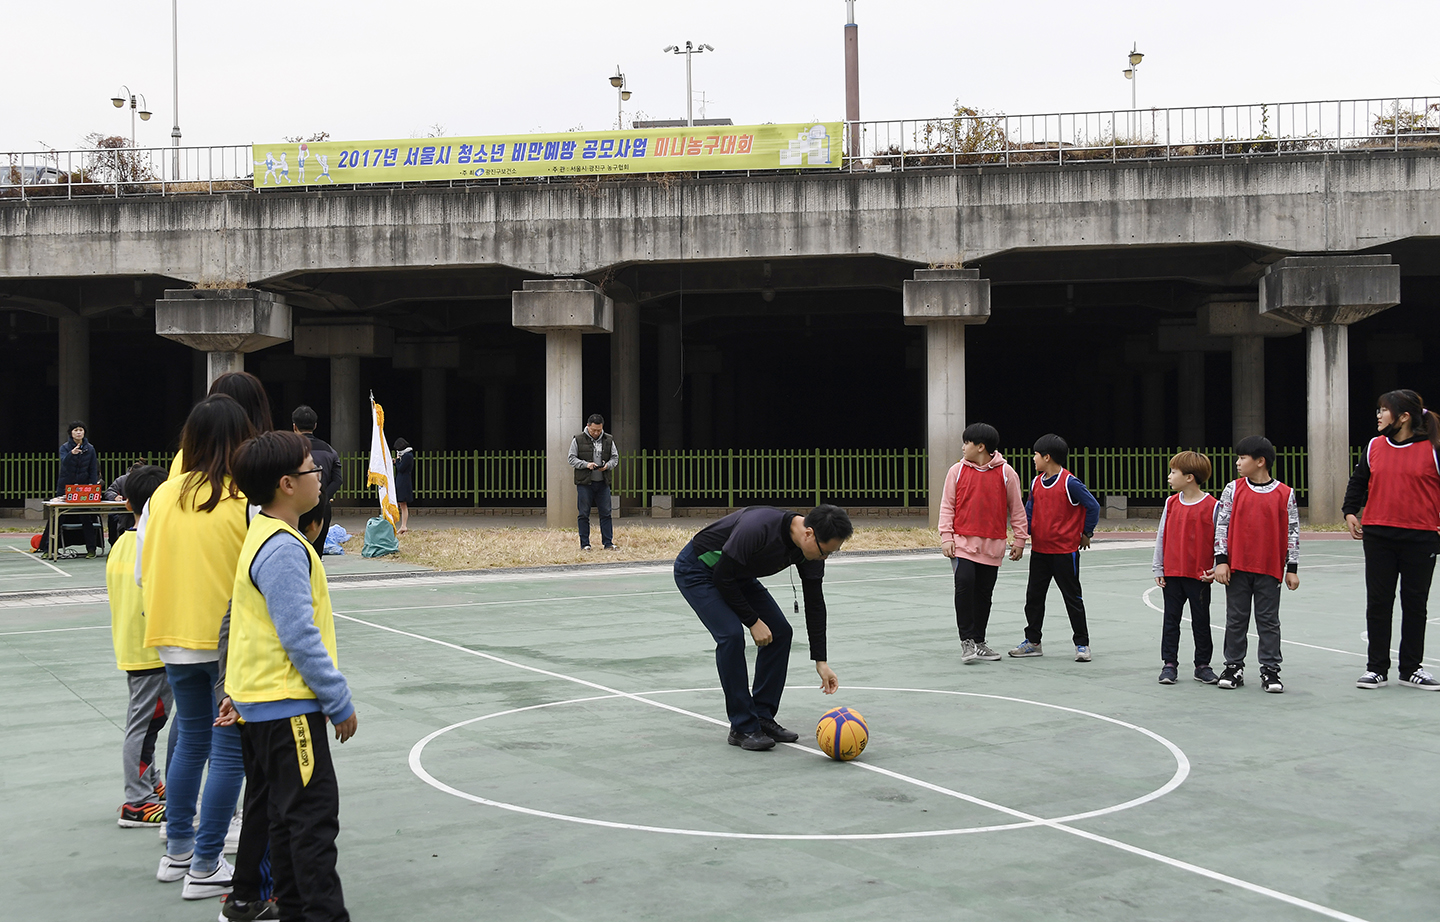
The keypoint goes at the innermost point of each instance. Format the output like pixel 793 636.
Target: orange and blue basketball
pixel 842 734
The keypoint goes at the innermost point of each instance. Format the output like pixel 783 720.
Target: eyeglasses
pixel 824 554
pixel 313 470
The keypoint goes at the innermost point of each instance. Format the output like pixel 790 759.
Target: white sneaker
pixel 217 883
pixel 1082 654
pixel 232 835
pixel 983 651
pixel 173 867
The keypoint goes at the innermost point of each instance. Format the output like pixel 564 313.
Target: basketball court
pixel 551 745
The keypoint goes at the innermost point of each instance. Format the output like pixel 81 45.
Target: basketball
pixel 842 734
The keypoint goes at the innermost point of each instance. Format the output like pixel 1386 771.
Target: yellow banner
pixel 649 150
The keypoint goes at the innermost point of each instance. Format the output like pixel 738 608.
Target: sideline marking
pixel 40 560
pixel 1182 770
pixel 1053 824
pixel 58 630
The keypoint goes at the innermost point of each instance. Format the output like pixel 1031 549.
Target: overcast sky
pixel 374 70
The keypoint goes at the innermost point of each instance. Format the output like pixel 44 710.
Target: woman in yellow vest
pixel 194 531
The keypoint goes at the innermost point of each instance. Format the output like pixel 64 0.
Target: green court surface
pixel 550 746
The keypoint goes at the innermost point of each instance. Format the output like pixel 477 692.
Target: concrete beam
pixel 571 305
pixel 223 319
pixel 959 295
pixel 1188 337
pixel 1242 318
pixel 359 338
pixel 1318 290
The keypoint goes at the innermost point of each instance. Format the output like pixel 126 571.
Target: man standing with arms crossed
pixel 717 573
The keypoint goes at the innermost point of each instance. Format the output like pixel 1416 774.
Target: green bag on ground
pixel 380 538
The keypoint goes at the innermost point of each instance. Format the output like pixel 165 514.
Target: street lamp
pixel 689 49
pixel 118 101
pixel 1130 72
pixel 175 63
pixel 618 82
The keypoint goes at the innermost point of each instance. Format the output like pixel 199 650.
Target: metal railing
pixel 964 138
pixel 720 477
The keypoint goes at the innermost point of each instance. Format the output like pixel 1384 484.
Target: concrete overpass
pixel 1189 239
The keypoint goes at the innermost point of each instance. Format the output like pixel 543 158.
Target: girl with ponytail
pixel 1398 483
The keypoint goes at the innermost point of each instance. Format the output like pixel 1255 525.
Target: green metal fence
pixel 721 477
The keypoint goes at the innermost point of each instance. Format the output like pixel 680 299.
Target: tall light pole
pixel 1131 72
pixel 118 100
pixel 689 49
pixel 618 82
pixel 852 77
pixel 175 62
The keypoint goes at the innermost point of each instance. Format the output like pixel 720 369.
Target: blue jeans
pixel 744 709
pixel 199 741
pixel 595 494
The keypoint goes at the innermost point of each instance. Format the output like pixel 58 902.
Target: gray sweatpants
pixel 1263 591
pixel 151 703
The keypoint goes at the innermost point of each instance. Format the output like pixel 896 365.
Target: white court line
pixel 40 560
pixel 1053 824
pixel 58 630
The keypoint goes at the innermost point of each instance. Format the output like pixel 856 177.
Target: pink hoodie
pixel 988 551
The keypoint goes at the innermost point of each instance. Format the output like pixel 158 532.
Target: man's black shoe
pixel 755 742
pixel 776 732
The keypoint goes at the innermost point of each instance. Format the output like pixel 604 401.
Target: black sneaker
pixel 1206 674
pixel 232 910
pixel 754 742
pixel 1232 677
pixel 776 732
pixel 1422 680
pixel 1371 680
pixel 1270 680
pixel 1168 674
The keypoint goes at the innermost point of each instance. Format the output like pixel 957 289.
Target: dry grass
pixel 484 548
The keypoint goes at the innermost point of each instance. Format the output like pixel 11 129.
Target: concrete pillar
pixel 624 422
pixel 432 409
pixel 1386 352
pixel 1123 405
pixel 562 309
pixel 345 341
pixel 1326 294
pixel 225 323
pixel 669 398
pixel 1191 414
pixel 944 301
pixel 1241 322
pixel 703 365
pixel 74 372
pixel 346 407
pixel 1247 386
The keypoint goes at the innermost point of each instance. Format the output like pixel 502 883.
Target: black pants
pixel 744 707
pixel 1412 564
pixel 1065 570
pixel 1263 592
pixel 1179 590
pixel 319 542
pixel 304 817
pixel 595 493
pixel 974 590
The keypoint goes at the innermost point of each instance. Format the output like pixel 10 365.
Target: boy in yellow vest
pixel 281 676
pixel 151 700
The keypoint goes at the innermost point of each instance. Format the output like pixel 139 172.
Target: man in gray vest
pixel 594 456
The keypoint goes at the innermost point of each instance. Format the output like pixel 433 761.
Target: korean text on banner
pixel 650 150
pixel 382 467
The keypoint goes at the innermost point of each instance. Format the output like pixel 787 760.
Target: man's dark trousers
pixel 1178 590
pixel 744 708
pixel 595 493
pixel 1065 570
pixel 304 818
